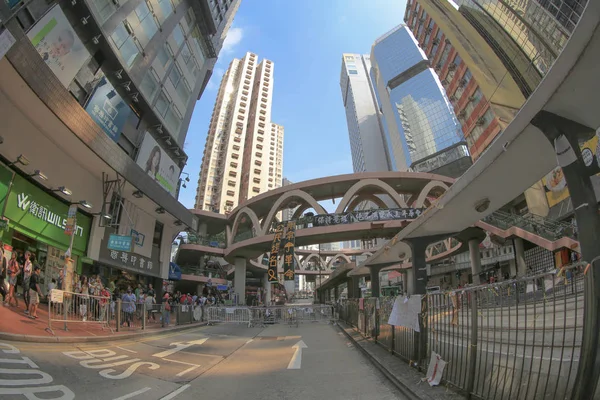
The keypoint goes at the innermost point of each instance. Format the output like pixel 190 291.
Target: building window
pixel 166 9
pixel 178 34
pixel 125 44
pixel 147 23
pixel 231 183
pixel 158 232
pixel 352 72
pixel 235 156
pixel 230 193
pixel 164 56
pixel 255 189
pixel 175 75
pixel 102 8
pixel 162 103
pixel 184 91
pixel 149 85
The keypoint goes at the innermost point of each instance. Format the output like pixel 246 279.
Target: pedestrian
pixel 27 270
pixel 104 298
pixel 128 307
pixel 83 288
pixel 34 292
pixel 166 314
pixel 150 301
pixel 13 271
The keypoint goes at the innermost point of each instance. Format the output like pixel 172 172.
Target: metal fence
pixel 518 339
pixel 66 308
pixel 264 316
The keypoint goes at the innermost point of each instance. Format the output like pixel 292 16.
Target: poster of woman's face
pixel 158 164
pixel 58 45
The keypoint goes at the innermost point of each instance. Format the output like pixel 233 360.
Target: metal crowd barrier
pixel 517 339
pixel 228 315
pixel 68 308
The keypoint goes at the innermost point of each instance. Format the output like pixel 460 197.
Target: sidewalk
pixel 406 379
pixel 15 325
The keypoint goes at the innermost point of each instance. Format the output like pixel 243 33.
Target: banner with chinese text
pixel 274 254
pixel 367 216
pixel 288 252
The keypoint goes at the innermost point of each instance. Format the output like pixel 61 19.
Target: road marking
pixel 249 341
pixel 133 394
pixel 124 349
pixel 178 347
pixel 175 393
pixel 190 369
pixel 296 361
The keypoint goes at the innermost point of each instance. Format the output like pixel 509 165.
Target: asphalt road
pixel 218 362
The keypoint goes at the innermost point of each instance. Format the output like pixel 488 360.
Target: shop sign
pixel 108 109
pixel 139 238
pixel 119 243
pixel 56 296
pixel 39 215
pixel 130 261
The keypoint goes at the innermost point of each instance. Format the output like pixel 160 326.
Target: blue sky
pixel 305 39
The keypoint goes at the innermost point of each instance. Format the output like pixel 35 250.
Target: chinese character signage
pixel 367 216
pixel 42 217
pixel 158 165
pixel 119 243
pixel 128 260
pixel 108 109
pixel 288 251
pixel 59 46
pixel 274 254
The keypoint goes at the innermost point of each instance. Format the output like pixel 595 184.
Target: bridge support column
pixel 239 282
pixel 520 256
pixel 565 136
pixel 409 278
pixel 267 286
pixel 353 288
pixel 475 257
pixel 374 270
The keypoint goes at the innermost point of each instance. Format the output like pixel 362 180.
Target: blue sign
pixel 222 287
pixel 108 110
pixel 138 237
pixel 174 272
pixel 119 243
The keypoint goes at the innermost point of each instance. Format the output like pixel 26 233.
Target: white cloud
pixel 234 37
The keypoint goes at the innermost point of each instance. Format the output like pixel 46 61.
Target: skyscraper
pixel 367 142
pixel 421 129
pixel 243 155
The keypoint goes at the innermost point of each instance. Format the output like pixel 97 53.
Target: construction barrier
pixel 228 315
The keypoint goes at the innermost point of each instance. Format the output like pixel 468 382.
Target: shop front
pixel 35 221
pixel 126 268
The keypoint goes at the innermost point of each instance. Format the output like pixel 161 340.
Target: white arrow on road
pixel 296 360
pixel 179 346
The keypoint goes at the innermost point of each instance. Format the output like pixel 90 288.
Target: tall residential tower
pixel 243 155
pixel 367 142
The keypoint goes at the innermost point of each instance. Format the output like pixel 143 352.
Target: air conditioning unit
pixel 462 82
pixel 451 67
pixel 462 114
pixel 481 121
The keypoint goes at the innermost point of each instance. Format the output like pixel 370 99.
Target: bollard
pixel 118 314
pixel 143 316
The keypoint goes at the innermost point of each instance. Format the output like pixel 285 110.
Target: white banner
pixel 405 312
pixel 58 44
pixel 158 165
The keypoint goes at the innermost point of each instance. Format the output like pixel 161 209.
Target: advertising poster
pixel 158 165
pixel 108 109
pixel 555 183
pixel 58 45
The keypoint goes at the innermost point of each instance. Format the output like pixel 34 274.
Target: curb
pixel 402 388
pixel 89 339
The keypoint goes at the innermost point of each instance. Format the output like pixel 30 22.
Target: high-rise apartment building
pixel 422 132
pixel 490 56
pixel 243 155
pixel 367 141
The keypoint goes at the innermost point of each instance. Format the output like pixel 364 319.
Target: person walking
pixel 167 303
pixel 27 270
pixel 150 301
pixel 13 272
pixel 34 292
pixel 128 307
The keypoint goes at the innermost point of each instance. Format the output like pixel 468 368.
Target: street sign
pixel 119 242
pixel 56 296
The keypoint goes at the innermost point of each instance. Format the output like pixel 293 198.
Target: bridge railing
pixel 518 339
pixel 544 227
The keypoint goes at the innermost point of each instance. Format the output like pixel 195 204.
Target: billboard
pixel 158 165
pixel 555 183
pixel 58 45
pixel 108 109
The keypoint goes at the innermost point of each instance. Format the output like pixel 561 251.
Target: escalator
pixel 549 234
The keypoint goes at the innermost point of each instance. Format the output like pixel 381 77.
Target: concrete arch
pixel 307 259
pixel 308 199
pixel 366 183
pixel 340 255
pixel 425 192
pixel 363 197
pixel 367 253
pixel 253 218
pixel 298 213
